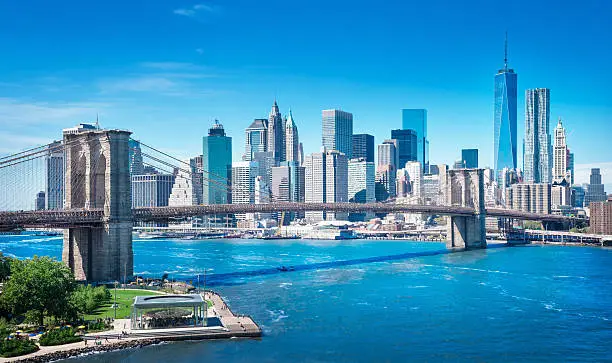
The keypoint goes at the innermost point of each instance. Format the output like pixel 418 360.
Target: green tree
pixel 39 287
pixel 5 267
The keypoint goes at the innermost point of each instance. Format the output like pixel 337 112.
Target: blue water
pixel 364 301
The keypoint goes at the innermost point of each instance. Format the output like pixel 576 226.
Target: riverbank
pixel 123 337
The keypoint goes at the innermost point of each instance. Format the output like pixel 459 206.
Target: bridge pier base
pixel 97 176
pixel 465 188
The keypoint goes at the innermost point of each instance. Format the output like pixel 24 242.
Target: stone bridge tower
pixel 97 176
pixel 465 188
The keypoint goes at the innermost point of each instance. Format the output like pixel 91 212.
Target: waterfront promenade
pixel 123 337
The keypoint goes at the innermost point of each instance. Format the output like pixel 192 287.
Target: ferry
pixel 330 232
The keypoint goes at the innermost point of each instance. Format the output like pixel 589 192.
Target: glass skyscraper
pixel 406 146
pixel 416 119
pixel 537 149
pixel 469 158
pixel 504 129
pixel 363 147
pixel 217 166
pixel 338 131
pixel 256 138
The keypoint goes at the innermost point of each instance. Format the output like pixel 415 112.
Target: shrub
pixel 16 347
pixel 59 336
pixel 86 299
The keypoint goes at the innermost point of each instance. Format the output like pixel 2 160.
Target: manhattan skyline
pixel 168 86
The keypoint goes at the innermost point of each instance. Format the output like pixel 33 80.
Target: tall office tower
pixel 39 203
pixel 256 138
pixel 388 153
pixel 217 166
pixel 338 131
pixel 537 155
pixel 570 166
pixel 361 186
pixel 276 134
pixel 504 121
pixel 326 181
pixel 244 174
pixel 560 153
pixel 578 193
pixel 151 190
pixel 469 158
pixel 363 147
pixel 198 177
pixel 135 158
pixel 301 154
pixel 416 119
pixel 292 141
pixel 415 177
pixel 595 189
pixel 266 161
pixel 402 183
pixel 54 176
pixel 288 185
pixel 442 171
pixel 431 189
pixel 262 196
pixel 386 176
pixel 183 190
pixel 406 146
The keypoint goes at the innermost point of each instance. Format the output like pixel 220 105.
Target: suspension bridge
pixel 87 181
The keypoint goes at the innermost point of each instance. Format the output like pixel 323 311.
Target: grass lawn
pixel 125 298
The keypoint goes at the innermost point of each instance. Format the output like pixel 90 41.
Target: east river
pixel 372 301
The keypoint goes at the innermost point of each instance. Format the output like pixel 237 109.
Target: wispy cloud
pixel 196 10
pixel 582 173
pixel 14 112
pixel 172 66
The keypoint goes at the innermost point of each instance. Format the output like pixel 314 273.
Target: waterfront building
pixel 560 169
pixel 217 166
pixel 276 134
pixel 363 147
pixel 135 161
pixel 416 120
pixel 407 145
pixel 431 190
pixel 244 174
pixel 292 141
pixel 54 176
pixel 504 122
pixel 469 158
pixel 184 190
pixel 338 131
pixel 578 193
pixel 601 217
pixel 361 185
pixel 415 175
pixel 326 175
pixel 151 190
pixel 288 186
pixel 529 197
pixel 256 138
pixel 39 203
pixel 537 156
pixel 595 189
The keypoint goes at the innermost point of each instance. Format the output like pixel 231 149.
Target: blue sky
pixel 166 69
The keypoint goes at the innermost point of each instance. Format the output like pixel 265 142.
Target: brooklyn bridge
pixel 98 217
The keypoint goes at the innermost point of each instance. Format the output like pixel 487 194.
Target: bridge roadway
pixel 92 217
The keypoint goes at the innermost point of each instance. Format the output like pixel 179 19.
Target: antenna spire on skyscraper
pixel 506 52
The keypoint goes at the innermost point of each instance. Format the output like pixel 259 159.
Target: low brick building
pixel 601 217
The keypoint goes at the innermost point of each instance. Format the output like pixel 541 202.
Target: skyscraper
pixel 151 190
pixel 407 146
pixel 186 186
pixel 416 119
pixel 338 131
pixel 39 203
pixel 276 134
pixel 256 138
pixel 570 166
pixel 560 154
pixel 244 174
pixel 537 154
pixel 388 159
pixel 363 147
pixel 326 175
pixel 595 189
pixel 469 158
pixel 288 185
pixel 415 175
pixel 217 166
pixel 292 140
pixel 54 181
pixel 504 123
pixel 361 185
pixel 135 158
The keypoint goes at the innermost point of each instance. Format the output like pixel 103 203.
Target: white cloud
pixel 171 66
pixel 14 112
pixel 195 10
